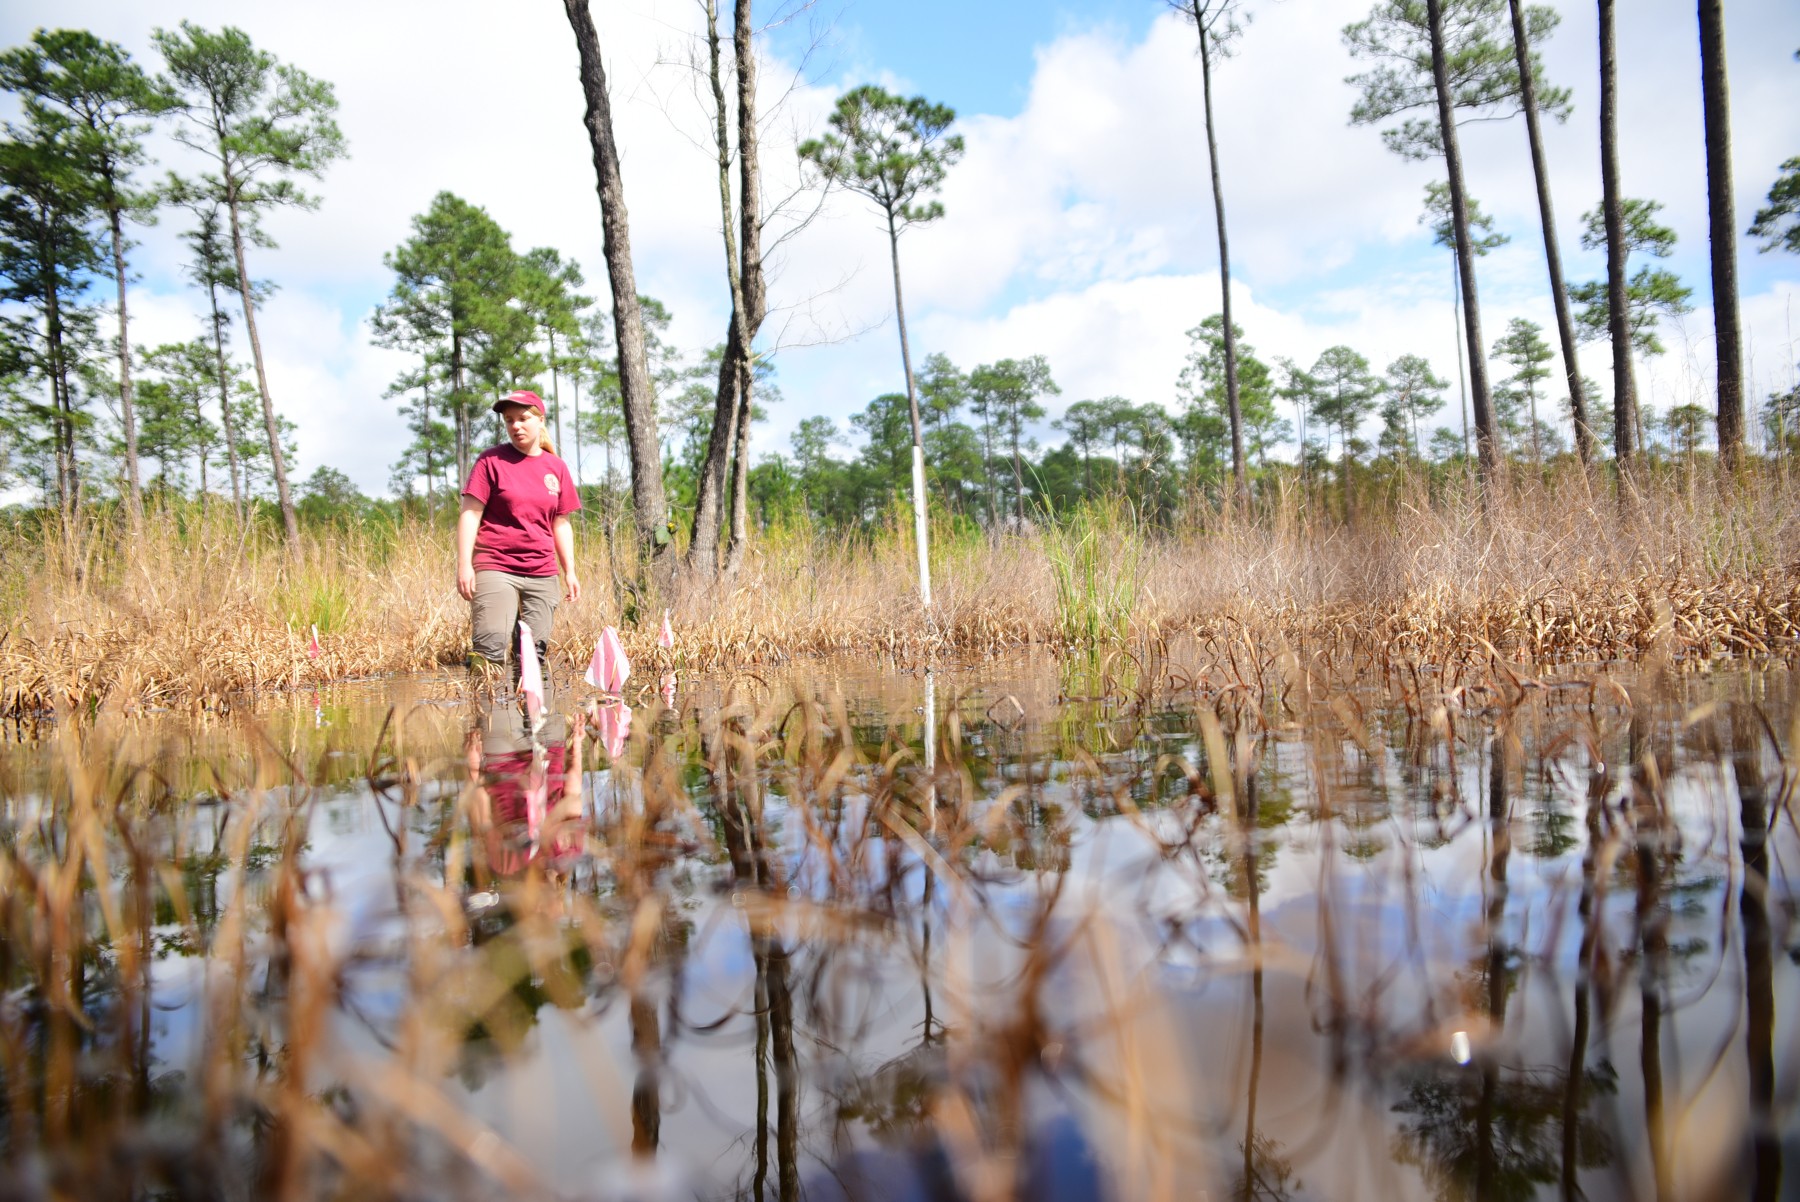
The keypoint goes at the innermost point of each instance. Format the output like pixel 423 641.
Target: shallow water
pixel 1035 929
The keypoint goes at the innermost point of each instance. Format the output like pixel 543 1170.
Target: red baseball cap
pixel 522 397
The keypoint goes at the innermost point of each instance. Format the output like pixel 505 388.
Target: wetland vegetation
pixel 199 612
pixel 1141 816
pixel 1315 925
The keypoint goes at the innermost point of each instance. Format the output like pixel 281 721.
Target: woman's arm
pixel 565 558
pixel 467 523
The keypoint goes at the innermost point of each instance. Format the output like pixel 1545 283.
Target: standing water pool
pixel 1035 928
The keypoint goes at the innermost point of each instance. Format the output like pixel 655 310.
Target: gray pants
pixel 502 599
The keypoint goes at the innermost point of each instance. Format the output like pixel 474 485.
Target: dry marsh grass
pixel 195 612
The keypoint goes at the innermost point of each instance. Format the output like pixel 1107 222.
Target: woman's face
pixel 524 425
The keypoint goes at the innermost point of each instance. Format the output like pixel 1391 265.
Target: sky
pixel 1078 225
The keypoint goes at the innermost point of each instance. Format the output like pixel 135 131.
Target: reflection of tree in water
pixel 1759 992
pixel 1487 1132
pixel 894 1101
pixel 1489 979
pixel 1274 809
pixel 1552 832
pixel 1271 1175
pixel 1363 809
pixel 1497 1135
pixel 1265 1172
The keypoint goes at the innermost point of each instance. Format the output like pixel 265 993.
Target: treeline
pixel 984 465
pixel 480 318
pixel 86 411
pixel 1435 65
pixel 1442 63
pixel 1432 65
pixel 662 435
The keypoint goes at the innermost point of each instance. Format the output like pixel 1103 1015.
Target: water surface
pixel 1123 928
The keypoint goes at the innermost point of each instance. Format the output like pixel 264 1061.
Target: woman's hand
pixel 468 524
pixel 563 535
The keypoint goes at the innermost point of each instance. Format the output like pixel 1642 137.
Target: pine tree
pixel 261 123
pixel 101 98
pixel 1218 23
pixel 1347 395
pixel 895 152
pixel 50 253
pixel 1524 348
pixel 1651 293
pixel 1454 57
pixel 1009 392
pixel 649 501
pixel 455 279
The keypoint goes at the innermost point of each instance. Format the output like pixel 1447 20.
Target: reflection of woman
pixel 513 534
pixel 525 805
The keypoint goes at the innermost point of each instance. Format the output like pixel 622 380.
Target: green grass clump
pixel 1095 559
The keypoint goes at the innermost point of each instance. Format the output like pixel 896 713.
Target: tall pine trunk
pixel 134 495
pixel 555 388
pixel 740 484
pixel 1462 383
pixel 753 282
pixel 920 529
pixel 277 464
pixel 425 443
pixel 710 490
pixel 1240 478
pixel 1727 338
pixel 66 479
pixel 1485 447
pixel 649 502
pixel 459 401
pixel 1348 482
pixel 225 419
pixel 200 451
pixel 1018 478
pixel 575 383
pixel 1625 424
pixel 1559 289
pixel 987 469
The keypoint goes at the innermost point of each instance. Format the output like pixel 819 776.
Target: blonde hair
pixel 544 443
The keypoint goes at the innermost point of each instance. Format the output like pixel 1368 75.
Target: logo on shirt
pixel 552 484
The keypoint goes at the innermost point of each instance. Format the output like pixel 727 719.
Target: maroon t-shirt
pixel 508 778
pixel 521 498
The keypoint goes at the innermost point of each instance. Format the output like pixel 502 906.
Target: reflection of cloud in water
pixel 756 943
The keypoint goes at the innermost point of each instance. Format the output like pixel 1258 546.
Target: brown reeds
pixel 194 613
pixel 927 948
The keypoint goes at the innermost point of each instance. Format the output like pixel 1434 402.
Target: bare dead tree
pixel 649 502
pixel 742 228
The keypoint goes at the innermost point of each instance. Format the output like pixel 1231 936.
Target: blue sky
pixel 1079 223
pixel 976 55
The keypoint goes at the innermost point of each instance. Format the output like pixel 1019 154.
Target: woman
pixel 513 535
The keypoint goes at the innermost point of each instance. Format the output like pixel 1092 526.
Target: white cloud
pixel 1082 228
